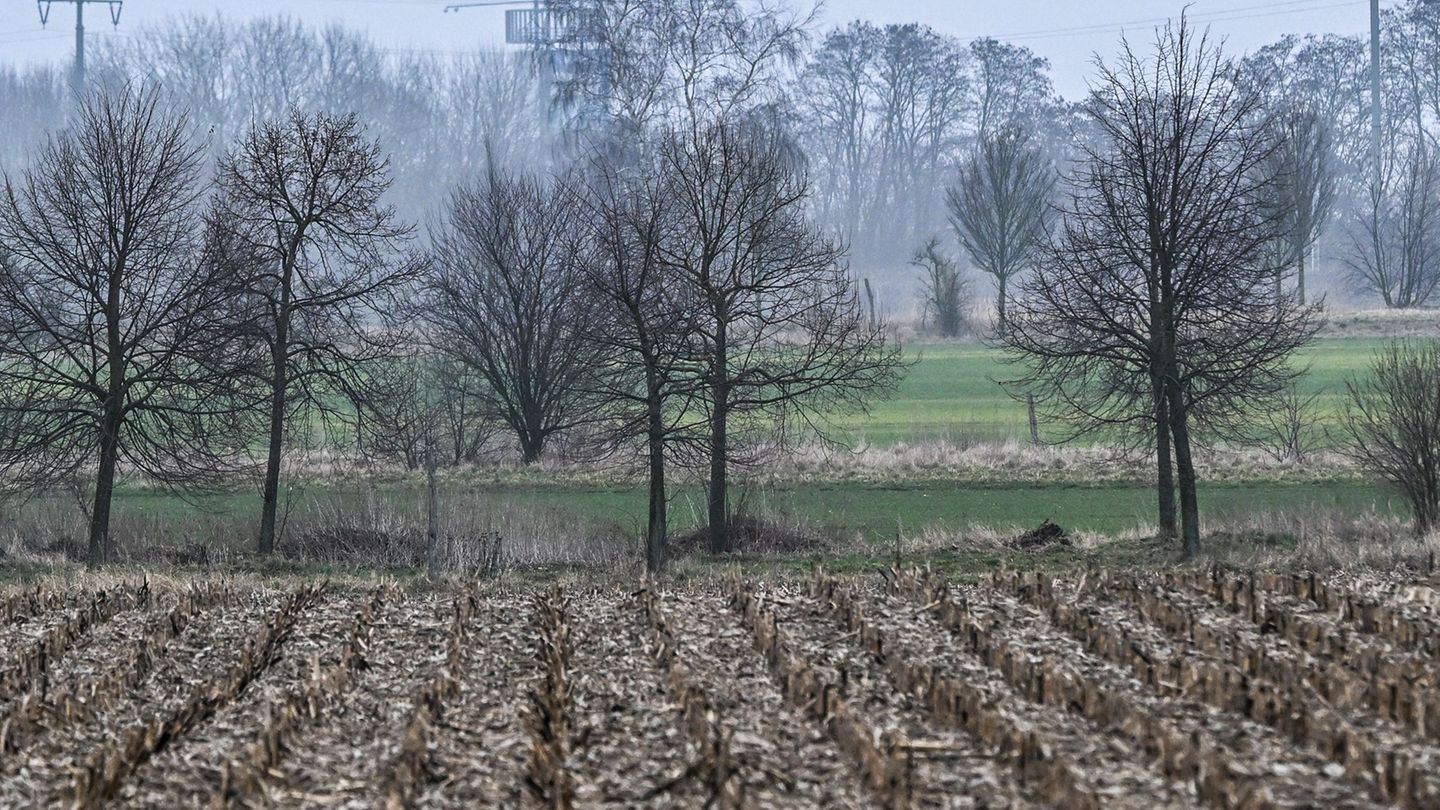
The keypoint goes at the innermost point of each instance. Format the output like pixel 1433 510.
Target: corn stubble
pixel 1227 689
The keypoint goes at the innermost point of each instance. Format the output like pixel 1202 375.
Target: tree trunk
pixel 1164 468
pixel 1300 279
pixel 279 388
pixel 270 495
pixel 1000 303
pixel 1034 421
pixel 1185 467
pixel 530 447
pixel 719 514
pixel 432 512
pixel 656 528
pixel 99 545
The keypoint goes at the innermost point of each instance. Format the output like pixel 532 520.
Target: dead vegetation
pixel 1187 688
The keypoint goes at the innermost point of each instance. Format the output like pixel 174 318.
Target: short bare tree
pixel 1395 236
pixel 944 289
pixel 119 339
pixel 1290 428
pixel 779 337
pixel 1393 423
pixel 1000 207
pixel 300 214
pixel 423 406
pixel 506 298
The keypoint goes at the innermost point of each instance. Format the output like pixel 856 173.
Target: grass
pixel 949 399
pixel 850 512
pixel 952 392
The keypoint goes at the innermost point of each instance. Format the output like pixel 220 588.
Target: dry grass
pixel 1020 463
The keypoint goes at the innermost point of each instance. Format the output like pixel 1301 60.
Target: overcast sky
pixel 1067 32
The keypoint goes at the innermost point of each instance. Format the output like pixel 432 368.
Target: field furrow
pixel 1402 611
pixel 339 760
pixel 1175 668
pixel 198 770
pixel 201 656
pixel 33 655
pixel 767 752
pixel 478 747
pixel 626 748
pixel 1169 690
pixel 1059 757
pixel 1388 693
pixel 119 656
pixel 27 613
pixel 908 758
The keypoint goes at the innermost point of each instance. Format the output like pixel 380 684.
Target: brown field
pixel 1181 689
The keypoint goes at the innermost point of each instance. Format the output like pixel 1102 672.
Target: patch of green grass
pixel 952 391
pixel 846 511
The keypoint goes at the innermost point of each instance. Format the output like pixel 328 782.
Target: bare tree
pixel 642 326
pixel 1155 308
pixel 1010 88
pixel 299 212
pixel 1302 191
pixel 422 406
pixel 945 289
pixel 636 65
pixel 34 101
pixel 1000 207
pixel 1290 428
pixel 920 86
pixel 118 339
pixel 507 299
pixel 836 98
pixel 1326 77
pixel 1394 246
pixel 1393 422
pixel 779 336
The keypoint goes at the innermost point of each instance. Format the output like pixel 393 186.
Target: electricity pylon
pixel 77 78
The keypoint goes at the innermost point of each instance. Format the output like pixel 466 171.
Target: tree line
pixel 888 118
pixel 671 282
pixel 188 326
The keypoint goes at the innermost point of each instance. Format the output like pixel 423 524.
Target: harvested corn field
pixel 1171 690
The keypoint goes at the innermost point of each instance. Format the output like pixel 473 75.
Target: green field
pixel 845 511
pixel 952 392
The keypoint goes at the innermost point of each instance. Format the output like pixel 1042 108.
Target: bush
pixel 946 291
pixel 1393 422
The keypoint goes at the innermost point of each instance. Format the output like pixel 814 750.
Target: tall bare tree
pixel 779 337
pixel 637 65
pixel 1000 207
pixel 300 214
pixel 1011 88
pixel 1155 308
pixel 507 299
pixel 1394 246
pixel 1302 191
pixel 118 339
pixel 643 324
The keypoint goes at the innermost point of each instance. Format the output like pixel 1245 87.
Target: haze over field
pixel 1066 33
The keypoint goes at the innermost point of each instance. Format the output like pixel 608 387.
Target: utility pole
pixel 1375 89
pixel 77 78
